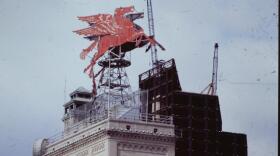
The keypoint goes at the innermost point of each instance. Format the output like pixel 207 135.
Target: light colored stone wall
pixel 99 148
pixel 144 149
pixel 112 138
pixel 73 137
pixel 143 127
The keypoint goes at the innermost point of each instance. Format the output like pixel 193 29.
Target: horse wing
pixel 100 25
pixel 94 31
pixel 95 19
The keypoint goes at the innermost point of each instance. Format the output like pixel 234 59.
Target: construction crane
pixel 211 89
pixel 152 31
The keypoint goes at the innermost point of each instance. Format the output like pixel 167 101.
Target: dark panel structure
pixel 161 83
pixel 197 116
pixel 232 144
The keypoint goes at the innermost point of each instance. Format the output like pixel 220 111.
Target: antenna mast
pixel 212 87
pixel 152 31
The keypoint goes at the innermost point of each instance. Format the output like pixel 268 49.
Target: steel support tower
pixel 113 84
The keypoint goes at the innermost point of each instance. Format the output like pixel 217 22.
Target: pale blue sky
pixel 39 52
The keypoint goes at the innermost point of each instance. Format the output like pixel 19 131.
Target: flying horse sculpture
pixel 116 33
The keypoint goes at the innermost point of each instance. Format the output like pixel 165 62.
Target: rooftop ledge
pixel 133 123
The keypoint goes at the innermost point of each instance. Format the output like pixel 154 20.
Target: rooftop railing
pixel 130 117
pixel 156 70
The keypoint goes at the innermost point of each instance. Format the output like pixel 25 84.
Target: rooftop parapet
pixel 91 122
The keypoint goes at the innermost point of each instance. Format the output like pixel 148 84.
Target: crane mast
pixel 212 87
pixel 152 31
pixel 215 69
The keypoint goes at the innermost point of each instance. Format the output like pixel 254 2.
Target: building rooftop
pixel 80 90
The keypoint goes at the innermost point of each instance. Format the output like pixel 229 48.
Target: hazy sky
pixel 39 53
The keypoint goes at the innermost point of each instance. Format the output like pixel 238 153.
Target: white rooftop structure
pixel 92 129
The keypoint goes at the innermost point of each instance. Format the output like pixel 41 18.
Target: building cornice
pixel 77 144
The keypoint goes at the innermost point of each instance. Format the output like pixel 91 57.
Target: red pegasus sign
pixel 116 33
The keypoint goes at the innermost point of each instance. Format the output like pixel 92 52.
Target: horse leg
pixel 87 50
pixel 103 46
